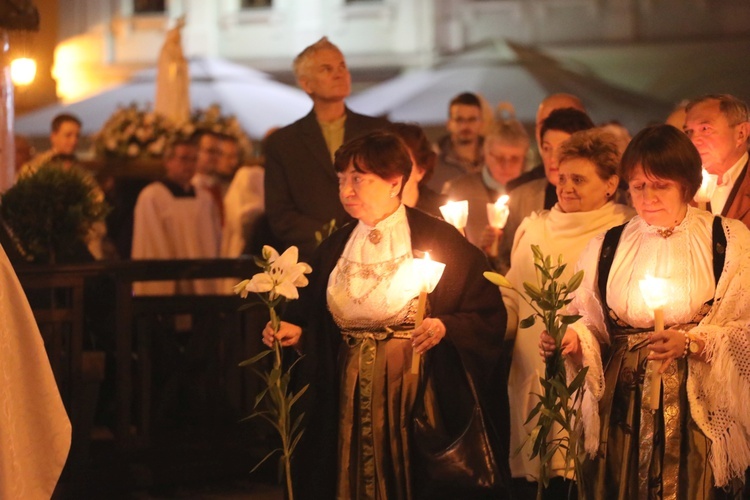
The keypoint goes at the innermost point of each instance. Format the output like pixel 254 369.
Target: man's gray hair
pixel 300 62
pixel 734 109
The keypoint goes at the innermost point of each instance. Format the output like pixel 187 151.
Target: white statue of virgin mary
pixel 172 78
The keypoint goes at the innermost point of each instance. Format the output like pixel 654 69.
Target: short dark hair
pixel 420 147
pixel 665 152
pixel 179 140
pixel 58 120
pixel 595 145
pixel 568 120
pixel 381 153
pixel 466 99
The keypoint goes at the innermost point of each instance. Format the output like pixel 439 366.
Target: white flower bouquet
pixel 211 119
pixel 132 132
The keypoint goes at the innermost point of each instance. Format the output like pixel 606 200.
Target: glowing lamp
pixel 22 71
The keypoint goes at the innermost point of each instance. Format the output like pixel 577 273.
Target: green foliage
pixel 275 402
pixel 327 230
pixel 559 402
pixel 51 211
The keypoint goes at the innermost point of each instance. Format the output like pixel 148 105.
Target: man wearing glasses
pixel 461 150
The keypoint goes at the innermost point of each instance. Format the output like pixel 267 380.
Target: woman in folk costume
pixel 691 440
pixel 355 326
pixel 586 207
pixel 34 428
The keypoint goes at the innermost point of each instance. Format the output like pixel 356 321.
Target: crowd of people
pixel 360 198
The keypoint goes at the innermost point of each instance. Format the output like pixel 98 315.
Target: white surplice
pixel 170 227
pixel 243 204
pixel 34 428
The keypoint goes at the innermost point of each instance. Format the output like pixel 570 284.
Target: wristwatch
pixel 693 346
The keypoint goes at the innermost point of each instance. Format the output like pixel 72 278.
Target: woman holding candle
pixel 696 444
pixel 505 150
pixel 355 326
pixel 588 162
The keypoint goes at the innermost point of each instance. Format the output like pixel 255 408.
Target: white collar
pixel 731 175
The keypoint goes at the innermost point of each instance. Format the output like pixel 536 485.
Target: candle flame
pixel 497 213
pixel 427 272
pixel 655 291
pixel 456 213
pixel 708 186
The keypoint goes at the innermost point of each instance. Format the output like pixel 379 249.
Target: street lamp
pixel 22 71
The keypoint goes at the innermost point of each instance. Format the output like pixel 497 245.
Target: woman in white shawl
pixel 693 439
pixel 588 163
pixel 34 428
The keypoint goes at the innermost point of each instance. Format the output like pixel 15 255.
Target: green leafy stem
pixel 559 402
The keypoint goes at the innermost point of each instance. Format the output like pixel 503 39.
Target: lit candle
pixel 706 191
pixel 655 293
pixel 427 272
pixel 456 213
pixel 497 215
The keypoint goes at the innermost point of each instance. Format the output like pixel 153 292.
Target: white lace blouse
pixel 719 390
pixel 373 284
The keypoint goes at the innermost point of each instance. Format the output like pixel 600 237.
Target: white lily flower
pixel 260 283
pixel 281 278
pixel 287 273
pixel 270 254
pixel 241 288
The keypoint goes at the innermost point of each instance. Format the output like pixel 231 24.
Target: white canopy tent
pixel 259 102
pixel 504 71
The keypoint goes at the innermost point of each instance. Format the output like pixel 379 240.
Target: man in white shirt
pixel 174 220
pixel 718 126
pixel 64 135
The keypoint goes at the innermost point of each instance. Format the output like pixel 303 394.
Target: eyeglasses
pixel 469 121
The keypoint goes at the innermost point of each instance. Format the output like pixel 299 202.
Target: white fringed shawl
pixel 718 391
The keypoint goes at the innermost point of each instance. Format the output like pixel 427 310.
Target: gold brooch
pixel 375 236
pixel 665 233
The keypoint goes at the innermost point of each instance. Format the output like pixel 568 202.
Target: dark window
pixel 147 6
pixel 253 4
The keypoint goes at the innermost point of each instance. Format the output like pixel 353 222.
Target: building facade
pixel 101 42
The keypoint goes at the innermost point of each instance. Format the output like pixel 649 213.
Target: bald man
pixel 547 106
